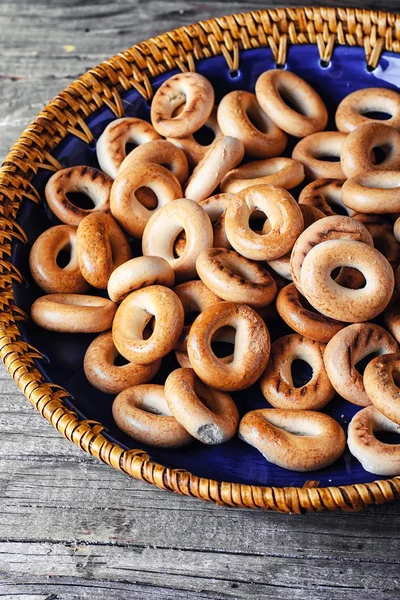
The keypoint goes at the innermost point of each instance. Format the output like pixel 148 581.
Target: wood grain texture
pixel 71 527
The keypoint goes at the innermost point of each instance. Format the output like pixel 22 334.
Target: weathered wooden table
pixel 71 527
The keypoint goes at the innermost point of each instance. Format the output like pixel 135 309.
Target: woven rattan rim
pixel 67 114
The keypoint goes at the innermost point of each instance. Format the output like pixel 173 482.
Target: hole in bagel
pixel 337 208
pixel 221 349
pixel 236 269
pixel 149 408
pixel 120 361
pixel 361 365
pixel 396 378
pixel 63 257
pixel 383 184
pixel 349 278
pixel 257 225
pixel 114 249
pixel 179 244
pixel 293 429
pixel 301 372
pixel 80 200
pixel 204 400
pixel 204 136
pixel 148 330
pixel 223 341
pixel 129 146
pixel 378 115
pixel 147 197
pixel 178 109
pixel 388 437
pixel 258 222
pixel 291 101
pixel 328 158
pixel 380 154
pixel 256 118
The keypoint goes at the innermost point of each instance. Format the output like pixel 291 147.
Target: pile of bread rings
pixel 325 264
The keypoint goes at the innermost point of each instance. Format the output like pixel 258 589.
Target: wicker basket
pixel 66 114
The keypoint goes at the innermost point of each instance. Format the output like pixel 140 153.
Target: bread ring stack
pixel 226 247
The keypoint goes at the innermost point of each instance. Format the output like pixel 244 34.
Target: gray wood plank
pixel 92 503
pixel 215 576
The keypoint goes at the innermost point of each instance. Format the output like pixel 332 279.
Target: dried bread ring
pixel 111 145
pixel 208 415
pixel 337 302
pixel 329 228
pixel 313 150
pixel 135 312
pixel 251 349
pixel 193 150
pixel 195 297
pixel 294 309
pixel 102 372
pixel 375 456
pixel 280 171
pixel 87 180
pixel 235 278
pixel 373 192
pixel 381 387
pixel 73 313
pixel 159 152
pixel 43 262
pixel 137 273
pixel 126 208
pixel 308 116
pixel 298 440
pixel 326 195
pixel 101 246
pixel 222 335
pixel 348 347
pixel 281 265
pixel 223 154
pixel 142 413
pixel 277 381
pixel 240 116
pixel 190 90
pixel 164 227
pixel 357 152
pixel 355 108
pixel 215 207
pixel 285 221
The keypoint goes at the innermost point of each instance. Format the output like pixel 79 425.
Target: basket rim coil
pixel 66 114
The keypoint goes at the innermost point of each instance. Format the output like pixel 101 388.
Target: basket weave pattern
pixel 67 114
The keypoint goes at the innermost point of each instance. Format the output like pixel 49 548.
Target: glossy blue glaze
pixel 234 461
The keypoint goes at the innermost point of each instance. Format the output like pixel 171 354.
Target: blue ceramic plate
pixel 234 461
